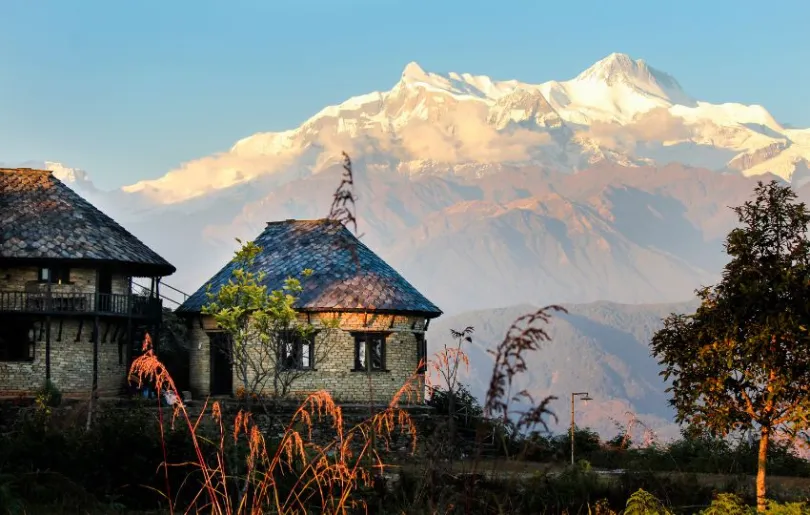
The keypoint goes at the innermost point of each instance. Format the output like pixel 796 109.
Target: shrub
pixel 48 396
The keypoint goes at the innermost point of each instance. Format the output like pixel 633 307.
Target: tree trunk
pixel 451 408
pixel 761 463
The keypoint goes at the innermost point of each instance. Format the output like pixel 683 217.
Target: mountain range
pixel 600 348
pixel 614 186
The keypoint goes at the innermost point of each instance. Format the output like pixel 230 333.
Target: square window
pixel 17 340
pixel 296 350
pixel 369 351
pixel 56 275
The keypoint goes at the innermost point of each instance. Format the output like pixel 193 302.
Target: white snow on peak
pixel 414 73
pixel 352 104
pixel 265 143
pixel 66 174
pixel 459 84
pixel 618 67
pixel 729 113
pixel 614 89
pixel 617 90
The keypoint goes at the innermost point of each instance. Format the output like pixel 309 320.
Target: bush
pixel 48 396
pixel 54 460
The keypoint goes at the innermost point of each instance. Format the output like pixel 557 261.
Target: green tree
pixel 742 360
pixel 265 329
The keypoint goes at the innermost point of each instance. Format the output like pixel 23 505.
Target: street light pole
pixel 585 397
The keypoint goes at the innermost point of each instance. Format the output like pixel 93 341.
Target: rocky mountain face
pixel 519 234
pixel 600 348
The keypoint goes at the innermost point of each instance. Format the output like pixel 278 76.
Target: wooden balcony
pixel 65 304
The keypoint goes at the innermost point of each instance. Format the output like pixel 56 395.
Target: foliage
pixel 727 504
pixel 525 335
pixel 343 208
pixel 261 324
pixel 694 452
pixel 327 476
pixel 644 503
pixel 741 361
pixel 173 346
pixel 446 392
pixel 791 508
pixel 467 408
pixel 53 460
pixel 173 333
pixel 49 396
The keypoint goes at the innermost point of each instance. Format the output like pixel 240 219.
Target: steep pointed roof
pixel 347 275
pixel 42 218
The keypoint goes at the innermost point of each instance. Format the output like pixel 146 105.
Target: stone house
pixel 372 321
pixel 67 309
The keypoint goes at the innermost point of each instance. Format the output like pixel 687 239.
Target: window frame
pixel 30 345
pixel 421 352
pixel 361 340
pixel 57 274
pixel 298 344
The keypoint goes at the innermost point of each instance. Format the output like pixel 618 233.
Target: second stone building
pixel 368 323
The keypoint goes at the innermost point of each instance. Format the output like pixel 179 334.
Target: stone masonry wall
pixel 199 356
pixel 334 358
pixel 71 362
pixel 83 280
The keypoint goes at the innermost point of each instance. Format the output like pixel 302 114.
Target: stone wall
pixel 71 361
pixel 334 358
pixel 82 280
pixel 199 356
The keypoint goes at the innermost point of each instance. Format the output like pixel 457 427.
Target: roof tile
pixel 42 218
pixel 346 273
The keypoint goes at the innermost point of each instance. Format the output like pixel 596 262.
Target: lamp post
pixel 585 397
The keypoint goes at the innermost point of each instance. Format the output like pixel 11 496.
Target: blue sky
pixel 129 90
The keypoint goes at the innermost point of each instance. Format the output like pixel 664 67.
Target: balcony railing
pixel 110 304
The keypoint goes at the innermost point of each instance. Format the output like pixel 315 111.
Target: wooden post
pixel 96 332
pixel 47 348
pixel 48 307
pixel 156 316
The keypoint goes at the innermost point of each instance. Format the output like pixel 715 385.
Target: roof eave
pixel 406 312
pixel 137 269
pixel 409 312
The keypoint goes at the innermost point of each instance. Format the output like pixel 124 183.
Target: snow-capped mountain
pixel 553 192
pixel 619 110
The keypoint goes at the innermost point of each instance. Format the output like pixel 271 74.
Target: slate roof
pixel 42 218
pixel 342 280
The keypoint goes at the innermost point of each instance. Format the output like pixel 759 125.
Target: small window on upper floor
pixel 56 275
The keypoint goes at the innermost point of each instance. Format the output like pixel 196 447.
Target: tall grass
pixel 297 474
